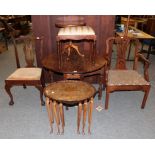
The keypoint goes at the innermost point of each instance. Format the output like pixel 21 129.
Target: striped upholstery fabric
pixel 26 74
pixel 77 30
pixel 125 77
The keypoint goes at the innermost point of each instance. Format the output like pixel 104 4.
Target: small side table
pixel 69 92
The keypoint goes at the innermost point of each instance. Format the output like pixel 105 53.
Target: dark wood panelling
pixel 45 25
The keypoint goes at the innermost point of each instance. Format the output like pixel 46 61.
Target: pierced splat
pixel 28 49
pixel 29 44
pixel 122 46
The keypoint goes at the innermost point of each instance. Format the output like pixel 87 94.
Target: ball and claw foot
pixel 43 103
pixel 11 103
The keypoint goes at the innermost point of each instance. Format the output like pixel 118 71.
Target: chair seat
pixel 26 74
pixel 125 77
pixel 77 30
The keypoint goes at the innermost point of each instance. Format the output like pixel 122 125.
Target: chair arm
pixel 146 65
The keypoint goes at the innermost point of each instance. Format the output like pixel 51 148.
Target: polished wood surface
pixel 103 26
pixel 66 21
pixel 136 33
pixel 70 93
pixel 82 69
pixel 81 66
pixel 133 21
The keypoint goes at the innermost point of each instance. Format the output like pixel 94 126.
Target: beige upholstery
pixel 26 74
pixel 125 77
pixel 77 30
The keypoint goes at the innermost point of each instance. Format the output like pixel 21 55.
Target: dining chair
pixel 30 75
pixel 121 78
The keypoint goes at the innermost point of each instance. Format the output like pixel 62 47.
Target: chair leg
pixel 107 100
pixel 148 52
pixel 24 86
pixel 7 88
pixel 100 86
pixel 145 97
pixel 40 88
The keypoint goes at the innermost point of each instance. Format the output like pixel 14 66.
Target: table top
pixel 69 91
pixel 136 33
pixel 69 21
pixel 138 20
pixel 82 65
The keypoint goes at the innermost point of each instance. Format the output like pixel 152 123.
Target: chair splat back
pixel 121 46
pixel 29 44
pixel 28 49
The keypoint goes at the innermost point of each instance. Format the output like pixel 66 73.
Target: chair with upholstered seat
pixel 29 75
pixel 121 78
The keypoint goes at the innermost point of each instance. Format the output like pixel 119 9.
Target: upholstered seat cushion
pixel 26 74
pixel 77 30
pixel 125 77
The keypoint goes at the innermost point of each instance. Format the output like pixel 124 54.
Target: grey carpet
pixel 27 119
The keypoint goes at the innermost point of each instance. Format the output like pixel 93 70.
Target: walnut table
pixel 70 93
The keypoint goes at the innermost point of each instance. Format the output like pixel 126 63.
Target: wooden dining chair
pixel 28 75
pixel 121 78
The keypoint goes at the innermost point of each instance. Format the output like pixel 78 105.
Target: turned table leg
pixel 79 117
pixel 84 116
pixel 49 110
pixel 61 110
pixel 55 110
pixel 91 105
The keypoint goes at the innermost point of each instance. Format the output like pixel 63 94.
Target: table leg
pixel 101 78
pixel 49 113
pixel 94 52
pixel 91 105
pixel 62 116
pixel 58 52
pixel 79 117
pixel 51 76
pixel 55 110
pixel 52 113
pixel 84 115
